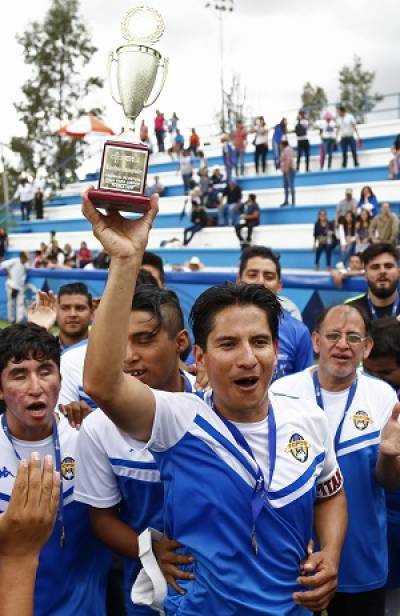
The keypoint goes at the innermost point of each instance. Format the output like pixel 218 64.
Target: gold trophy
pixel 124 163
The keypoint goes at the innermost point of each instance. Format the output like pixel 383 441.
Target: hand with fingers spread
pixel 319 575
pixel 121 238
pixel 28 522
pixel 43 310
pixel 169 561
pixel 75 412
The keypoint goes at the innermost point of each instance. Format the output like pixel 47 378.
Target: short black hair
pixel 150 258
pixel 385 333
pixel 163 304
pixel 375 250
pixel 324 313
pixel 259 251
pixel 145 277
pixel 75 288
pixel 219 297
pixel 27 341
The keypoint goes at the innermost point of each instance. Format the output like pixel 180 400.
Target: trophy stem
pixel 128 132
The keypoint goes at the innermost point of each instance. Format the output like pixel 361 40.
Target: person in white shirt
pixel 25 193
pixel 327 129
pixel 346 129
pixel 15 286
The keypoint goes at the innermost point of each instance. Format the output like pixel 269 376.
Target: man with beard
pixel 74 311
pixel 363 417
pixel 382 276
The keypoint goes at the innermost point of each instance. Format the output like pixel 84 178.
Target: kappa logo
pixel 68 466
pixel 298 447
pixel 361 420
pixel 4 473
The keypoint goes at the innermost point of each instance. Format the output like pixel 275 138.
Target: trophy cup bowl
pixel 124 162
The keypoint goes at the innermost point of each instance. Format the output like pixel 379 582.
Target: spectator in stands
pixel 348 245
pixel 303 144
pixel 280 132
pixel 368 201
pixel 194 264
pixel 239 142
pixel 394 164
pixel 69 253
pixel 362 231
pixel 260 142
pixel 229 207
pixel 177 145
pixel 194 142
pixel 198 218
pixel 156 187
pixel 173 124
pixel 159 129
pixel 384 228
pixel 101 260
pixel 288 172
pixel 3 243
pixel 229 156
pixel 381 263
pixel 327 130
pixel 211 201
pixel 249 218
pixel 324 239
pixel 154 264
pixel 348 204
pixel 356 268
pixel 346 129
pixel 186 169
pixel 216 176
pixel 25 193
pixel 54 253
pixel 15 286
pixel 144 136
pixel 204 182
pixel 39 203
pixel 84 255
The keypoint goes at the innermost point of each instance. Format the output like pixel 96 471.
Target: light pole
pixel 221 6
pixel 5 177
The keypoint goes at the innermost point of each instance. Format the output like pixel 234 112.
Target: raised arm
pixel 129 403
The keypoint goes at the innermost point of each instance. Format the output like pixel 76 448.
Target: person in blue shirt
pixel 367 201
pixel 383 362
pixel 259 265
pixel 245 475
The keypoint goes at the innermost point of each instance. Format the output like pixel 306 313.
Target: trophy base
pixel 119 201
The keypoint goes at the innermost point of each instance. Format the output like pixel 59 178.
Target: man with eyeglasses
pixel 382 275
pixel 363 415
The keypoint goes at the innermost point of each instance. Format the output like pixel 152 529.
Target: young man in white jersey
pixel 73 564
pixel 240 469
pixel 122 484
pixel 362 412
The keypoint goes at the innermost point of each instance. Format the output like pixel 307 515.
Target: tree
pixel 313 100
pixel 355 89
pixel 57 51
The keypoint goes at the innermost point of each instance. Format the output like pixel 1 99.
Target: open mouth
pixel 137 373
pixel 37 409
pixel 247 382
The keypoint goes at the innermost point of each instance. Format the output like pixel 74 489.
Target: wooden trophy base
pixel 119 201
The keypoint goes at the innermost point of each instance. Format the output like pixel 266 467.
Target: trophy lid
pixel 142 24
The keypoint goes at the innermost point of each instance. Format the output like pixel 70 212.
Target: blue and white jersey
pixel 295 347
pixel 71 368
pixel 209 483
pixel 116 473
pixel 71 579
pixel 363 564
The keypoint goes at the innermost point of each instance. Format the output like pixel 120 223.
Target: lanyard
pixel 56 444
pixel 372 308
pixel 320 402
pixel 261 488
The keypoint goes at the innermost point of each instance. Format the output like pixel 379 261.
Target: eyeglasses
pixel 351 338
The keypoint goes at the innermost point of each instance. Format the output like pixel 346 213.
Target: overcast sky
pixel 274 45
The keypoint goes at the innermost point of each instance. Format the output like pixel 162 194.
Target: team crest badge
pixel 361 420
pixel 298 447
pixel 68 468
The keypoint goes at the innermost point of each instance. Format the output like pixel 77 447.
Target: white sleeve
pixel 330 480
pixel 71 378
pixel 95 482
pixel 174 415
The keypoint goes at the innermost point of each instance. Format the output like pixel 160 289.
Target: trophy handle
pixel 111 59
pixel 164 65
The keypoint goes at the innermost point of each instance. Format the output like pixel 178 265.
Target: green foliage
pixel 313 100
pixel 57 51
pixel 355 85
